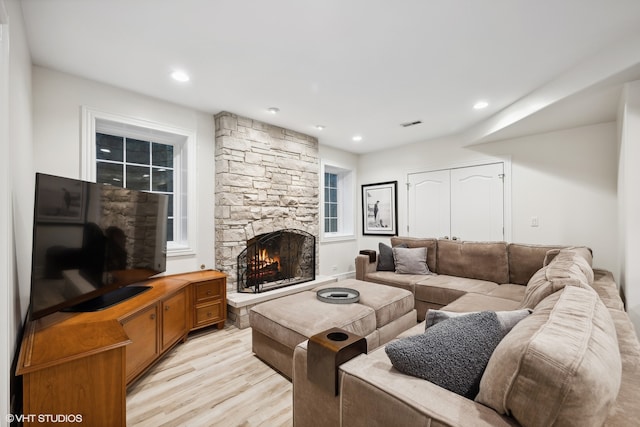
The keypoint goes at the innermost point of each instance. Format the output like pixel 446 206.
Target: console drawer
pixel 207 314
pixel 209 290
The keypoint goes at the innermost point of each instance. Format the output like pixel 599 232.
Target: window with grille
pixel 330 202
pixel 337 203
pixel 148 156
pixel 138 165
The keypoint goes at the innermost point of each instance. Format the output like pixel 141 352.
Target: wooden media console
pixel 80 364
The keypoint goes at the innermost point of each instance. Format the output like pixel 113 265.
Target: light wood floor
pixel 211 380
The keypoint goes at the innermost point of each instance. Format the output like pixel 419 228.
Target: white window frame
pixel 346 203
pixel 184 142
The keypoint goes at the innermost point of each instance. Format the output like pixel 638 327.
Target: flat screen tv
pixel 91 241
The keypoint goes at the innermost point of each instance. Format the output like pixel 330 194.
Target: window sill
pixel 177 251
pixel 335 237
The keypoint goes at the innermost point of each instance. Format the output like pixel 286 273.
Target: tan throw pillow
pixel 558 366
pixel 581 254
pixel 568 268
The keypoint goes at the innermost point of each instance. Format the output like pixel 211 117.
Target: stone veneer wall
pixel 266 179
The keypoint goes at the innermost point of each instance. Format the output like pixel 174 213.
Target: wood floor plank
pixel 211 380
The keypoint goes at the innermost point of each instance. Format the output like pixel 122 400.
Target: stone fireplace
pixel 267 180
pixel 275 260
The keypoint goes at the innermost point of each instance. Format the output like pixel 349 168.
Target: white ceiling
pixel 355 66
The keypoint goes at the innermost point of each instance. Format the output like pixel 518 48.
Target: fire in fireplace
pixel 275 260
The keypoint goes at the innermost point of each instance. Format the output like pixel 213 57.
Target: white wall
pixel 568 179
pixel 629 200
pixel 337 256
pixel 58 98
pixel 565 178
pixel 17 194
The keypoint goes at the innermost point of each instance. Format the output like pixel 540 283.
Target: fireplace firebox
pixel 277 259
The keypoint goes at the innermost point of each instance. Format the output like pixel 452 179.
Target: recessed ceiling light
pixel 320 127
pixel 180 76
pixel 357 138
pixel 480 105
pixel 273 110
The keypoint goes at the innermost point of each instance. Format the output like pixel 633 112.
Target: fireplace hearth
pixel 277 259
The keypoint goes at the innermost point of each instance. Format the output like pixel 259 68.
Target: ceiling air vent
pixel 408 124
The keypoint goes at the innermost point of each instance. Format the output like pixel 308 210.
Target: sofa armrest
pixel 312 405
pixel 373 393
pixel 364 267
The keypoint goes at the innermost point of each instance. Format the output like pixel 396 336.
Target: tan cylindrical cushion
pixel 559 366
pixel 568 268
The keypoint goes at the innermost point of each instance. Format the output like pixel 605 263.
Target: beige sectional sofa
pixel 496 270
pixel 575 360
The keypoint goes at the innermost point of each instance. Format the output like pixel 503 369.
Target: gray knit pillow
pixel 452 354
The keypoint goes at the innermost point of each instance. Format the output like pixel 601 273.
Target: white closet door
pixel 477 202
pixel 429 204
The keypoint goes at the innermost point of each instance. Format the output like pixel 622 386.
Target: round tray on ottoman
pixel 338 295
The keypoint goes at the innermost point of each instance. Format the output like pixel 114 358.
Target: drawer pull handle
pixel 166 308
pixel 209 292
pixel 209 314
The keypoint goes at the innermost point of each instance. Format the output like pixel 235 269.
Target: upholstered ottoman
pixel 279 325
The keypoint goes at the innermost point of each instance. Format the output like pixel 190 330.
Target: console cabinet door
pixel 174 319
pixel 142 330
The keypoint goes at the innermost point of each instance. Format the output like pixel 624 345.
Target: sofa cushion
pixel 452 353
pixel 508 319
pixel 625 409
pixel 509 291
pixel 372 393
pixel 583 251
pixel 525 260
pixel 410 260
pixel 566 269
pixel 443 289
pixel 559 366
pixel 605 285
pixel 477 302
pixel 415 242
pixel 573 259
pixel 390 278
pixel 475 260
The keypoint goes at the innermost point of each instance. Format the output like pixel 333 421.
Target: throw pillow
pixel 573 261
pixel 385 257
pixel 566 269
pixel 559 366
pixel 507 319
pixel 452 354
pixel 410 260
